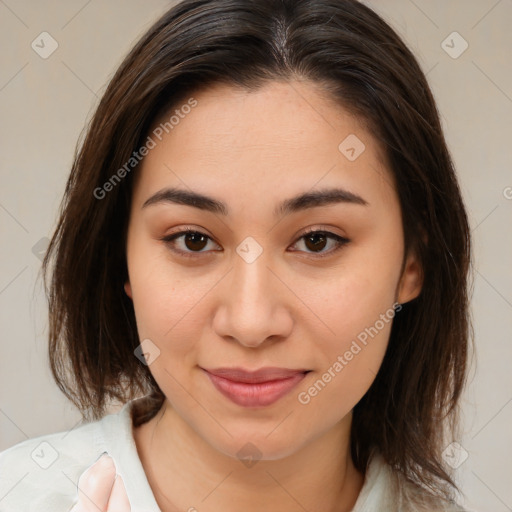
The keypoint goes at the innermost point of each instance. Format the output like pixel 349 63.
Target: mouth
pixel 259 388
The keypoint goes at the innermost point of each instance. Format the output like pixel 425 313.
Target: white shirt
pixel 41 474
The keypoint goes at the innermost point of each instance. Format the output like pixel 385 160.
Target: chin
pixel 251 444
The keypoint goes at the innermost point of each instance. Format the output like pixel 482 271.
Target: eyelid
pixel 341 241
pixel 168 239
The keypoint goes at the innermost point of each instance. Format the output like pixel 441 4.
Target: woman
pixel 263 235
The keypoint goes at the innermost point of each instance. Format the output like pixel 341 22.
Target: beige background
pixel 45 103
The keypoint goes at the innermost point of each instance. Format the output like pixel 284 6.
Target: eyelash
pixel 169 239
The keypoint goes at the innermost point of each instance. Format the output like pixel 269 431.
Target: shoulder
pixel 387 490
pixel 43 472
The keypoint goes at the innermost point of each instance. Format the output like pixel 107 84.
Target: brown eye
pixel 191 243
pixel 187 242
pixel 195 241
pixel 315 241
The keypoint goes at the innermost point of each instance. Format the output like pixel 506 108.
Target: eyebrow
pixel 304 201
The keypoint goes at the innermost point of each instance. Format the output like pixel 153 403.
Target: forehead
pixel 273 140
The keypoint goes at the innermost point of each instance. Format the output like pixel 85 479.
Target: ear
pixel 411 280
pixel 128 289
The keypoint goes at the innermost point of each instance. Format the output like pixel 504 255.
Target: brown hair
pixel 353 55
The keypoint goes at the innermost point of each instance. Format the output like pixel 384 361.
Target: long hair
pixel 361 63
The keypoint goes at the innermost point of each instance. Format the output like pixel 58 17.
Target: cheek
pixel 170 313
pixel 357 308
pixel 168 309
pixel 350 361
pixel 161 293
pixel 353 298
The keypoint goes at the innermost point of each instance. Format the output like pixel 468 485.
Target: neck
pixel 186 473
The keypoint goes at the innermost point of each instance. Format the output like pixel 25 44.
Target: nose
pixel 254 304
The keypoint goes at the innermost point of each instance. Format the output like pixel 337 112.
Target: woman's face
pixel 250 290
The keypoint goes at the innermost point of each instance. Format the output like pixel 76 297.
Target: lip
pixel 258 388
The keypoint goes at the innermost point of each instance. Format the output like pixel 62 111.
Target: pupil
pixel 194 238
pixel 316 245
pixel 197 241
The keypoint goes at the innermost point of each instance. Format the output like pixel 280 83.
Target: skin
pixel 99 488
pixel 287 308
